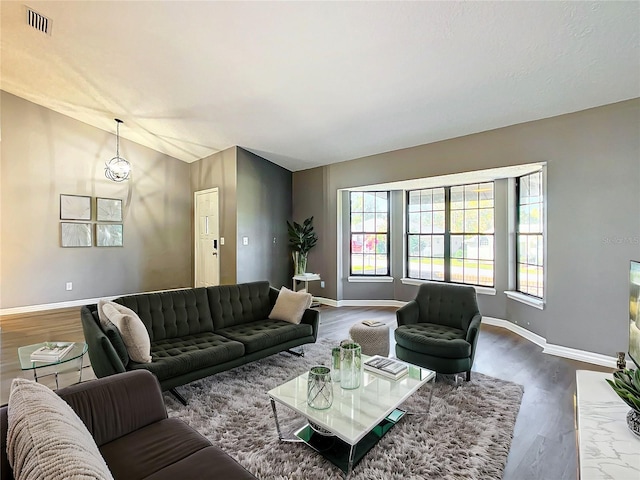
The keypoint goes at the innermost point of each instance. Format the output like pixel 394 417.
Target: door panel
pixel 207 255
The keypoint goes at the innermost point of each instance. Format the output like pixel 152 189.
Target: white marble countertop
pixel 607 448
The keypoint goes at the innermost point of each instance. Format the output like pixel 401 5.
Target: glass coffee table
pixel 356 420
pixel 45 369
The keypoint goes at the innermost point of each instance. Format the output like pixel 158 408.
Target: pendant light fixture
pixel 117 169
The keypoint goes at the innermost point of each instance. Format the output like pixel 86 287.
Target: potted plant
pixel 302 238
pixel 626 383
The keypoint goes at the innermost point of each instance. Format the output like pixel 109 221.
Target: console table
pixel 606 447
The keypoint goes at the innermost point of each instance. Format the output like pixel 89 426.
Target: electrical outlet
pixel 274 240
pixel 321 283
pixel 245 240
pixel 221 240
pixel 69 286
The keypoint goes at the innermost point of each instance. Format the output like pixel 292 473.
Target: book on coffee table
pixel 389 367
pixel 51 352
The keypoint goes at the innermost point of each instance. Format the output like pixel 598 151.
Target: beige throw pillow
pixel 290 305
pixel 46 439
pixel 134 333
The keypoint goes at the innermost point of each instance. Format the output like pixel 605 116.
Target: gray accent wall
pixel 45 154
pixel 264 206
pixel 593 222
pixel 220 170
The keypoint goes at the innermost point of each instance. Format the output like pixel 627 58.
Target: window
pixel 369 233
pixel 530 231
pixel 451 234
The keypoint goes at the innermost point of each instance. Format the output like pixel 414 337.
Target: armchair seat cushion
pixel 178 356
pixel 434 339
pixel 264 334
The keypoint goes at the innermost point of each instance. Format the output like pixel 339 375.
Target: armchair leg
pixel 468 375
pixel 178 397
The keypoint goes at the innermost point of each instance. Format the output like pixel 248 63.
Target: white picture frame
pixel 74 234
pixel 109 235
pixel 75 207
pixel 108 209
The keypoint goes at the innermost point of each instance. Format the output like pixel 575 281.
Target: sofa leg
pixel 179 397
pixel 468 375
pixel 297 354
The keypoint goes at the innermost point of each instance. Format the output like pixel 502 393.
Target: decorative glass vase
pixel 319 388
pixel 299 263
pixel 350 365
pixel 335 364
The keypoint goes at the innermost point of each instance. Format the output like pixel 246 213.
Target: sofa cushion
pixel 133 332
pixel 172 314
pixel 158 455
pixel 263 334
pixel 46 439
pixel 238 304
pixel 433 339
pixel 177 356
pixel 290 305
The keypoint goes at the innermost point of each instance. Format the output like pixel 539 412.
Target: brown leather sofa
pixel 126 416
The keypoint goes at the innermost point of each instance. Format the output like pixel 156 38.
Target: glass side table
pixel 40 368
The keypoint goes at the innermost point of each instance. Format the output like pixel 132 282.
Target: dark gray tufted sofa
pixel 198 332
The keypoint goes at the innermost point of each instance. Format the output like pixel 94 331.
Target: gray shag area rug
pixel 467 434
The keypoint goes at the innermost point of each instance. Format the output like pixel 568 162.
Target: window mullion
pixel 447 234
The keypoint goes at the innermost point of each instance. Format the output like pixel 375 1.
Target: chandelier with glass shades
pixel 117 169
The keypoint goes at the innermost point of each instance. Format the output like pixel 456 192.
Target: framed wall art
pixel 109 235
pixel 109 209
pixel 75 234
pixel 75 207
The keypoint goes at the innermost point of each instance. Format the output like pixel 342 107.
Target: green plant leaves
pixel 302 238
pixel 626 383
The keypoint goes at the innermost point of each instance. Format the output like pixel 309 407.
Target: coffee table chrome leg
pixel 352 452
pixel 275 415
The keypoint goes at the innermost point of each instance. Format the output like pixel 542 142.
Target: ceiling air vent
pixel 38 21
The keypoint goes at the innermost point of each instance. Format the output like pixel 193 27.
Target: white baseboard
pixel 517 329
pixel 557 350
pixel 53 306
pixel 70 303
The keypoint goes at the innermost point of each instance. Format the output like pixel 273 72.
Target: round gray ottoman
pixel 373 340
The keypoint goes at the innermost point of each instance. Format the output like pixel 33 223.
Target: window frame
pixel 447 234
pixel 541 235
pixel 387 234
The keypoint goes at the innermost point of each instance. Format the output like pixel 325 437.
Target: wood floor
pixel 544 443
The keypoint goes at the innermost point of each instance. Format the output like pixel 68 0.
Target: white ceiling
pixel 305 84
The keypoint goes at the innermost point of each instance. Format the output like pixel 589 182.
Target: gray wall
pixel 219 170
pixel 45 154
pixel 593 226
pixel 264 206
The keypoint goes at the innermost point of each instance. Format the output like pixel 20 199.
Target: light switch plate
pixel 245 240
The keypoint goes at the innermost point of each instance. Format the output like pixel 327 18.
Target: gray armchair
pixel 439 329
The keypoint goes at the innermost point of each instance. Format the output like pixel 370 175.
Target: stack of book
pixel 51 352
pixel 388 367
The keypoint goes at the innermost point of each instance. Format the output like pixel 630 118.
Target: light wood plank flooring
pixel 544 443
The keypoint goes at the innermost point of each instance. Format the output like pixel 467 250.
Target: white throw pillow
pixel 290 305
pixel 133 332
pixel 47 439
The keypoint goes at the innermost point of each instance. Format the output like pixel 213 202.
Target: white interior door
pixel 207 258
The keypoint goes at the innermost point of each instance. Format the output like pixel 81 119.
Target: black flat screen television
pixel 634 312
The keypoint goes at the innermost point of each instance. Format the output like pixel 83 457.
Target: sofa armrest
pixel 408 314
pixel 474 328
pixel 103 356
pixel 117 405
pixel 312 317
